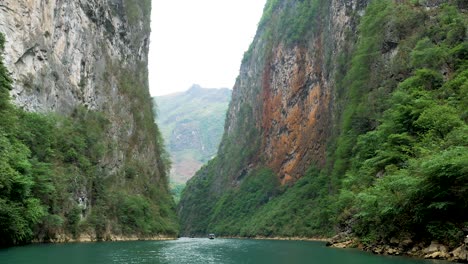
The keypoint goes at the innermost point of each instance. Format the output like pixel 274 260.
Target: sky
pixel 199 42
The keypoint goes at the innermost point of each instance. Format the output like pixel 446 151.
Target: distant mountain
pixel 192 124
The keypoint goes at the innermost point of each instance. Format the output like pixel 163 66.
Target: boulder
pixel 344 244
pixel 405 243
pixel 435 247
pixel 377 250
pixel 460 254
pixel 392 251
pixel 417 247
pixel 436 251
pixel 340 240
pixel 437 255
pixel 394 241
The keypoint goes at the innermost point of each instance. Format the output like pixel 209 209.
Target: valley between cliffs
pixel 347 120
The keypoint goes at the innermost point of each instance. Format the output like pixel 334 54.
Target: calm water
pixel 195 250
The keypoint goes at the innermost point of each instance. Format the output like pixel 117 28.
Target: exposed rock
pixel 403 242
pixel 436 251
pixel 416 250
pixel 341 237
pixel 61 56
pixel 407 242
pixel 460 254
pixel 437 255
pixel 384 249
pixel 64 49
pixel 377 250
pixel 435 247
pixel 394 241
pixel 393 251
pixel 291 96
pixel 65 55
pixel 344 244
pixel 109 237
pixel 286 93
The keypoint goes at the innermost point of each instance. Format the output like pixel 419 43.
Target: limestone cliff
pixel 289 87
pixel 324 131
pixel 91 54
pixel 282 110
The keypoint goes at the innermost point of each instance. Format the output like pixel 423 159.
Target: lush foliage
pixel 397 164
pixel 176 190
pixel 52 180
pixel 236 206
pixel 204 190
pixel 20 210
pixel 408 174
pixel 287 211
pixel 292 22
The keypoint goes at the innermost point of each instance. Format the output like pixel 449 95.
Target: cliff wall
pixel 332 127
pixel 67 54
pixel 68 57
pixel 283 105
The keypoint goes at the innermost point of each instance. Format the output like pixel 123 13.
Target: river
pixel 194 251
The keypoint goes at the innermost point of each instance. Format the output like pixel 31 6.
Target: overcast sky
pixel 199 42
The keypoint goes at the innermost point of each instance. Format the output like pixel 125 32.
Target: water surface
pixel 194 251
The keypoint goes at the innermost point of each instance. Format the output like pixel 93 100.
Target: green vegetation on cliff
pixel 52 182
pixel 204 192
pixel 404 165
pixel 397 162
pixel 407 175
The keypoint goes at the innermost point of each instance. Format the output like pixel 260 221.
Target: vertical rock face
pixel 325 131
pixel 295 112
pixel 58 51
pixel 282 112
pixel 90 54
pixel 291 90
pixel 64 54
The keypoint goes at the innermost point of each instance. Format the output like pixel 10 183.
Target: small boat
pixel 211 236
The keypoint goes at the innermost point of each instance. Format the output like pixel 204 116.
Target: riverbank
pixel 395 247
pixel 89 238
pixel 293 238
pixel 280 238
pixel 406 247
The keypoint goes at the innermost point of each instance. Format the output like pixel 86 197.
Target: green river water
pixel 195 250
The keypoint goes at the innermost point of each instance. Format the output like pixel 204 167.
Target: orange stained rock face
pixel 300 71
pixel 287 178
pixel 295 113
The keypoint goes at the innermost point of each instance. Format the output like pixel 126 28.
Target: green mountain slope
pixel 192 124
pixel 347 118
